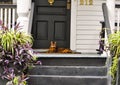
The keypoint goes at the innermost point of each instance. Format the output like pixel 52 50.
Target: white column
pixel 111 12
pixel 23 8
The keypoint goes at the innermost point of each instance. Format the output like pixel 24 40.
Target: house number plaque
pixel 86 2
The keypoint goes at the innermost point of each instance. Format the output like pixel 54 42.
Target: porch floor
pixel 89 55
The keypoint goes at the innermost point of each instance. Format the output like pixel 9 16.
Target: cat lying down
pixel 53 49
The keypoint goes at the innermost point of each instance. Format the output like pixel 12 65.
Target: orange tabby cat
pixel 64 50
pixel 53 49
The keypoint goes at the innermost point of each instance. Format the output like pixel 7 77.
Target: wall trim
pixel 73 26
pixel 31 17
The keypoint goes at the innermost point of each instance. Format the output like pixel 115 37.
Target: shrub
pixel 16 55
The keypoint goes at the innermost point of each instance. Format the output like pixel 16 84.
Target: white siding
pixel 88 26
pixel 117 1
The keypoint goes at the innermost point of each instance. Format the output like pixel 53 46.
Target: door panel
pixel 59 31
pixel 53 10
pixel 42 33
pixel 51 23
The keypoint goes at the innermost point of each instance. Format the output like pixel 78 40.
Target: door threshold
pixel 43 53
pixel 39 51
pixel 68 55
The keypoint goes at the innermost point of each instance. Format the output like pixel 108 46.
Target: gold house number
pixel 86 2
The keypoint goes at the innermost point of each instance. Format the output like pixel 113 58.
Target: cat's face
pixel 53 44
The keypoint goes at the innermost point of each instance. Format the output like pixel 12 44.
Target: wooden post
pixel 111 12
pixel 23 8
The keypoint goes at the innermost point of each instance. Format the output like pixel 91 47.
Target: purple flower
pixel 1 22
pixel 38 63
pixel 6 61
pixel 11 70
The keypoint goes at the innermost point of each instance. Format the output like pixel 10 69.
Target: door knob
pixel 51 2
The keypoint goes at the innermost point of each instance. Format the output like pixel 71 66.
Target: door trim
pixel 73 25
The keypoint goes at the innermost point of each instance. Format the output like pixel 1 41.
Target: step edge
pixel 56 76
pixel 44 55
pixel 70 66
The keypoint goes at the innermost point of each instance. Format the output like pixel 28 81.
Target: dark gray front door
pixel 51 23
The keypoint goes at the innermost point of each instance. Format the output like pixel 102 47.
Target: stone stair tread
pixel 73 61
pixel 56 76
pixel 59 55
pixel 67 80
pixel 42 66
pixel 69 70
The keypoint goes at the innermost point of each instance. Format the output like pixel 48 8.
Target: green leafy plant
pixel 16 55
pixel 18 80
pixel 114 41
pixel 9 38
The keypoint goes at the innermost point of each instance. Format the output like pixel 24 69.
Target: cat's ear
pixel 55 43
pixel 51 42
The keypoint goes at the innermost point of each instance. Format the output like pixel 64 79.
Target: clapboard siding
pixel 87 17
pixel 87 42
pixel 88 23
pixel 91 37
pixel 86 50
pixel 88 47
pixel 87 8
pixel 89 13
pixel 88 26
pixel 88 32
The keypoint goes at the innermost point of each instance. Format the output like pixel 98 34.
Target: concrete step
pixel 67 80
pixel 73 61
pixel 69 70
pixel 3 82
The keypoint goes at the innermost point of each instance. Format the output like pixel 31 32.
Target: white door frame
pixel 73 24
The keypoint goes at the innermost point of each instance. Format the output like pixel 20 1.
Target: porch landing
pixel 85 55
pixel 41 53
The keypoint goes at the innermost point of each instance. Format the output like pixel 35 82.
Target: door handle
pixel 51 2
